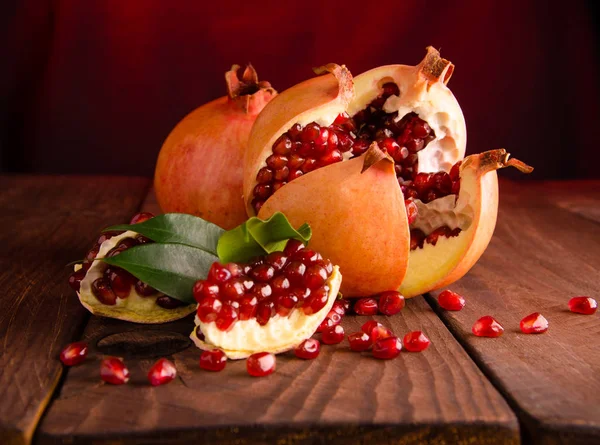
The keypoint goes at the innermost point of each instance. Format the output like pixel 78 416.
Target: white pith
pixel 446 211
pixel 280 334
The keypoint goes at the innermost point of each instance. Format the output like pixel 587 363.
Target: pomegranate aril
pixel 276 162
pixel 295 131
pixel 120 281
pixel 359 341
pixel 103 293
pixel 315 276
pixel 487 326
pixel 261 291
pixel 74 353
pixel 316 300
pixel 451 301
pixel 208 309
pixel 442 183
pixel 415 341
pixel 333 335
pixel 141 217
pixel 264 311
pixel 334 317
pixel 294 271
pixel 264 176
pixel 214 360
pixel 162 372
pixel 387 348
pixel 281 174
pixel 325 324
pixel 331 157
pixel 308 349
pixel 285 303
pixel 144 289
pixel 292 247
pixel 422 183
pixel 583 305
pixel 391 302
pixel 280 284
pixel 309 165
pixel 75 279
pixel 283 145
pixel 455 171
pixel 360 146
pixel 233 289
pixel 277 260
pixel 366 306
pixel 167 302
pixel 260 364
pixel 411 211
pixel 263 273
pixel 114 371
pixel 295 161
pixel 199 333
pixel 307 256
pixel 534 323
pixel 434 236
pixel 339 307
pixel 226 317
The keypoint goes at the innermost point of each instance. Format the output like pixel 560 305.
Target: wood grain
pixel 46 223
pixel 438 396
pixel 545 250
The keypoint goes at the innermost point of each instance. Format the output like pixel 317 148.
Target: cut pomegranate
pixel 214 360
pixel 415 341
pixel 391 302
pixel 114 371
pixel 308 349
pixel 366 306
pixel 141 217
pixel 534 323
pixel 487 326
pixel 387 348
pixel 333 335
pixel 359 341
pixel 260 364
pixel 162 372
pixel 74 353
pixel 451 301
pixel 583 305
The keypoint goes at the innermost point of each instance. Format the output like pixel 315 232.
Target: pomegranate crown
pixel 247 91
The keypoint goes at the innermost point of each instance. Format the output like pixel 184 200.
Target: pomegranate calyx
pixel 344 78
pixel 373 155
pixel 245 91
pixel 435 68
pixel 497 159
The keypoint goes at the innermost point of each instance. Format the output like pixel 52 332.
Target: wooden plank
pixel 46 223
pixel 543 253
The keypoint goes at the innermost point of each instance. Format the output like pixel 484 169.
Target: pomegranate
pixel 271 304
pixel 74 354
pixel 583 305
pixel 199 168
pixel 415 341
pixel 162 372
pixel 308 349
pixel 451 301
pixel 114 371
pixel 487 326
pixel 534 323
pixel 260 364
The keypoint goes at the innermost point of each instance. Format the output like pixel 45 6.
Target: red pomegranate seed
pixel 264 176
pixel 214 360
pixel 144 289
pixel 307 256
pixel 415 341
pixel 411 211
pixel 325 324
pixel 451 301
pixel 264 311
pixel 262 272
pixel 120 281
pixel 316 301
pixel 226 317
pixel 387 348
pixel 233 289
pixel 366 306
pixel 280 284
pixel 248 306
pixel 285 303
pixel 167 302
pixel 315 276
pixel 334 317
pixel 74 353
pixel 218 273
pixel 534 323
pixel 283 145
pixel 333 335
pixel 390 302
pixel 203 289
pixel 260 364
pixel 487 327
pixel 339 307
pixel 359 341
pixel 199 333
pixel 308 349
pixel 114 371
pixel 75 279
pixel 294 271
pixel 277 260
pixel 433 237
pixel 102 291
pixel 583 305
pixel 162 372
pixel 208 309
pixel 141 217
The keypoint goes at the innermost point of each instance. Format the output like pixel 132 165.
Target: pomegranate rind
pixel 320 99
pixel 134 308
pixel 280 334
pixel 434 267
pixel 358 220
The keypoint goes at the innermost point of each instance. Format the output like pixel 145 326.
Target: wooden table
pixel 463 389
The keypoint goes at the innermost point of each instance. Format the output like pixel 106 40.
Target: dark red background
pixel 95 86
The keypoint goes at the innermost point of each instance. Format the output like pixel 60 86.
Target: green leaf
pixel 178 228
pixel 170 268
pixel 257 237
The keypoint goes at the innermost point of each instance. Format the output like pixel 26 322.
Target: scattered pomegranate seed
pixel 141 217
pixel 534 323
pixel 114 371
pixel 214 360
pixel 162 372
pixel 366 306
pixel 415 341
pixel 376 330
pixel 359 341
pixel 487 326
pixel 308 349
pixel 74 353
pixel 391 302
pixel 260 364
pixel 387 348
pixel 451 301
pixel 583 305
pixel 333 335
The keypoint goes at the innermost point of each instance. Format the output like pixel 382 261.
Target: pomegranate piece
pixel 487 326
pixel 583 305
pixel 534 323
pixel 415 341
pixel 366 306
pixel 359 341
pixel 451 301
pixel 141 217
pixel 308 349
pixel 387 348
pixel 214 360
pixel 74 353
pixel 260 364
pixel 333 335
pixel 391 302
pixel 162 372
pixel 114 371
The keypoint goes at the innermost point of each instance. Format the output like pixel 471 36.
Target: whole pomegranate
pixel 199 168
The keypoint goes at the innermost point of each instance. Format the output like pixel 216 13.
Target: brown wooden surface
pixel 46 222
pixel 545 250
